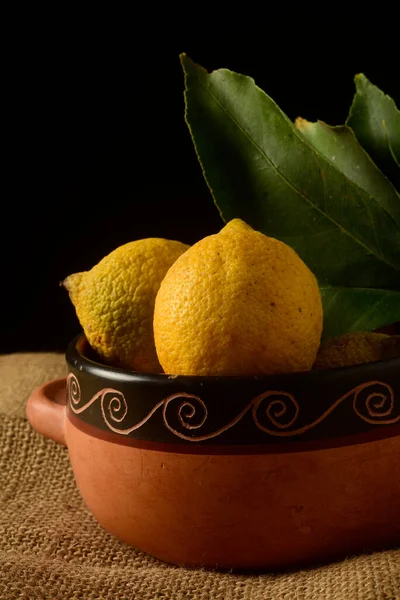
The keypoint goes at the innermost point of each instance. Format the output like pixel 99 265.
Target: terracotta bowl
pixel 232 472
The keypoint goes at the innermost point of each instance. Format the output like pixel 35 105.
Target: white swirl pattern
pixel 275 407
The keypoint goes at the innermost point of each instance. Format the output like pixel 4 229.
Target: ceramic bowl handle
pixel 46 410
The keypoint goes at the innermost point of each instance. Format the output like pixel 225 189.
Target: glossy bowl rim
pixel 75 356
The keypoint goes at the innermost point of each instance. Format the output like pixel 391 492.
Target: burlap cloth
pixel 51 548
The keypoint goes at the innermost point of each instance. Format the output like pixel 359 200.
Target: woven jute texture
pixel 51 548
pixel 21 372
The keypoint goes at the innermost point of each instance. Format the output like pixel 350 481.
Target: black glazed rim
pixel 80 353
pixel 229 415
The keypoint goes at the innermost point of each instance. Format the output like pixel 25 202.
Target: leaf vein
pixel 368 312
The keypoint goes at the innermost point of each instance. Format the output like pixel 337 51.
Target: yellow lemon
pixel 356 348
pixel 238 303
pixel 114 301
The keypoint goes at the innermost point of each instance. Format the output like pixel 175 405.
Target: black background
pixel 97 150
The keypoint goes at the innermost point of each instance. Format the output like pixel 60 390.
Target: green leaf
pixel 261 169
pixel 358 309
pixel 375 121
pixel 340 146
